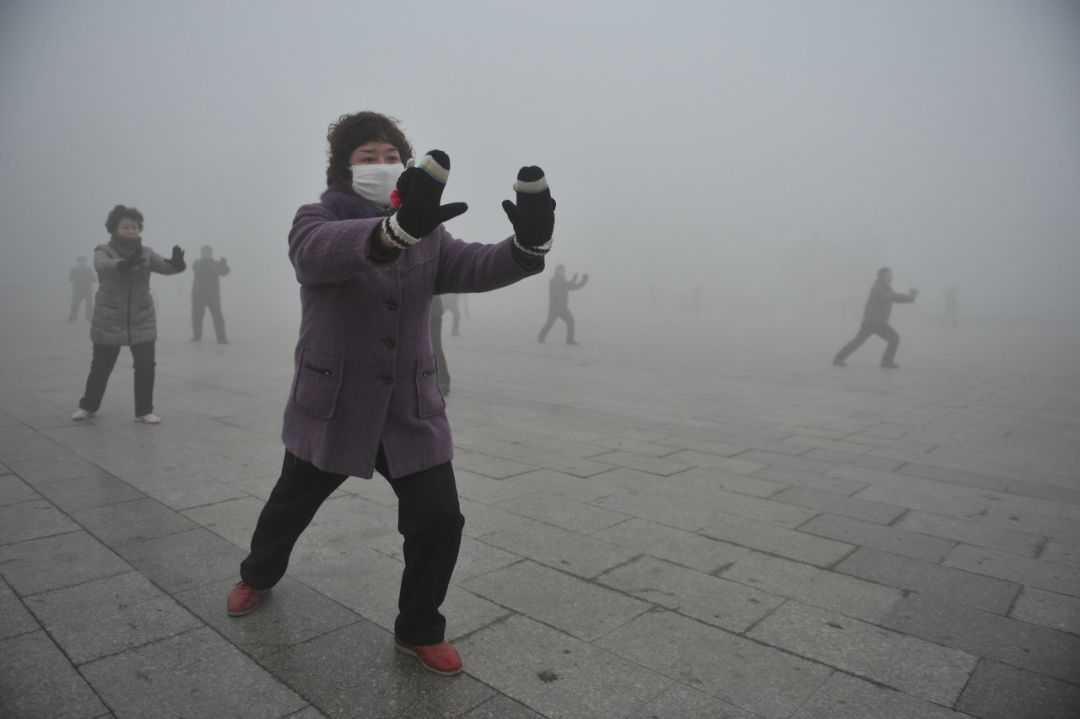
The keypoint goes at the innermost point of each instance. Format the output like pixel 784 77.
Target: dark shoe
pixel 838 363
pixel 244 599
pixel 440 658
pixel 890 365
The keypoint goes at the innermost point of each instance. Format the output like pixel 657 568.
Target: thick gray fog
pixel 773 155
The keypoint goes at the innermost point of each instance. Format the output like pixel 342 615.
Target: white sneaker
pixel 81 414
pixel 149 418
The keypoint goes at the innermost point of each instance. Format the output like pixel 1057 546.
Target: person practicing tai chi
pixel 369 258
pixel 876 320
pixel 559 302
pixel 206 293
pixel 82 289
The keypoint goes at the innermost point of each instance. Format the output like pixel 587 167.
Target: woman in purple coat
pixel 365 395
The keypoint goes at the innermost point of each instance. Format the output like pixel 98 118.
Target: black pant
pixel 101 366
pixel 429 518
pixel 77 298
pixel 558 314
pixel 885 332
pixel 199 305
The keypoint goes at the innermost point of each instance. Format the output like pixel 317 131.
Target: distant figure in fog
pixel 441 367
pixel 558 302
pixel 450 302
pixel 124 311
pixel 82 289
pixel 876 320
pixel 206 293
pixel 952 309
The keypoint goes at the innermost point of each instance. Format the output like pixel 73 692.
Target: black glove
pixel 177 259
pixel 129 263
pixel 533 217
pixel 417 197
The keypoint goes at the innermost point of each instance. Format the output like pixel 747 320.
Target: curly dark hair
pixel 360 128
pixel 120 212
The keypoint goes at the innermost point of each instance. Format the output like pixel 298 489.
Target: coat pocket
pixel 429 399
pixel 317 384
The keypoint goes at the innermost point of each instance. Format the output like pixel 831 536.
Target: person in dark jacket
pixel 441 367
pixel 558 302
pixel 370 257
pixel 206 293
pixel 124 311
pixel 451 303
pixel 82 289
pixel 876 320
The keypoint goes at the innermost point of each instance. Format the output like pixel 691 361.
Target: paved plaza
pixel 663 531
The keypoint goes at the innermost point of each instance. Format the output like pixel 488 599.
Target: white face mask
pixel 374 182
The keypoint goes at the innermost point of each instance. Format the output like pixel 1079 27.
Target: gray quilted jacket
pixel 123 307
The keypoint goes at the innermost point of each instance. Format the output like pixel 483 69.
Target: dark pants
pixel 429 518
pixel 558 314
pixel 199 305
pixel 885 332
pixel 77 298
pixel 101 366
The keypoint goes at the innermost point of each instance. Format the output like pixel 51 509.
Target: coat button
pixel 389 342
pixel 386 379
pixel 392 304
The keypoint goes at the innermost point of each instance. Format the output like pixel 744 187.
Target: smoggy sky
pixel 774 153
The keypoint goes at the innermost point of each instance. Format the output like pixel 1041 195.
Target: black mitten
pixel 417 197
pixel 129 263
pixel 177 259
pixel 533 217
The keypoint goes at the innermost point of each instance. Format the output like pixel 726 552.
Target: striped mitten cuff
pixel 533 216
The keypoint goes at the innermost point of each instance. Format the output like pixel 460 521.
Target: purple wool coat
pixel 365 372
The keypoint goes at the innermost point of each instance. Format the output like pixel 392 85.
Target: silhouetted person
pixel 558 303
pixel 441 368
pixel 206 293
pixel 876 319
pixel 952 309
pixel 450 304
pixel 82 289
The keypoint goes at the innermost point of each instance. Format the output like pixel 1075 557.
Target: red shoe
pixel 440 658
pixel 244 599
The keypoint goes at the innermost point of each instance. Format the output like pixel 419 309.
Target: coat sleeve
pixel 223 268
pixel 104 263
pixel 478 267
pixel 160 265
pixel 326 251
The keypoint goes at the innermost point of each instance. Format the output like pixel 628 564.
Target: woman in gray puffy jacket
pixel 124 311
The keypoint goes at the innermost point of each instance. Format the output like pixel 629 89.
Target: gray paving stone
pixel 51 467
pixel 719 663
pixel 14 617
pixel 911 665
pixel 109 615
pixel 84 492
pixel 981 535
pixel 562 512
pixel 699 444
pixel 944 583
pixel 998 691
pixel 637 446
pixel 291 614
pixel 358 578
pixel 36 680
pixel 13 490
pixel 232 519
pixel 180 561
pixel 355 672
pixel 494 467
pixel 1048 609
pixel 117 524
pixel 856 458
pixel 487 490
pixel 839 505
pixel 685 548
pixel 741 464
pixel 778 540
pixel 664 467
pixel 1042 490
pixel 786 461
pixel 1062 552
pixel 501 706
pixel 1037 573
pixel 1026 521
pixel 566 602
pixel 722 603
pixel 32 520
pixel 568 486
pixel 810 480
pixel 811 585
pixel 195 674
pixel 847 697
pixel 954 476
pixel 710 478
pixel 59 561
pixel 682 702
pixel 888 539
pixel 186 492
pixel 559 675
pixel 987 635
pixel 558 548
pixel 308 712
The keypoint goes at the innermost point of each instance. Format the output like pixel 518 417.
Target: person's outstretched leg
pixel 846 350
pixel 143 355
pixel 569 320
pixel 300 491
pixel 101 366
pixel 889 335
pixel 76 300
pixel 552 316
pixel 198 309
pixel 219 320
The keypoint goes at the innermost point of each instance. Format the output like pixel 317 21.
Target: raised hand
pixel 418 199
pixel 533 217
pixel 177 259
